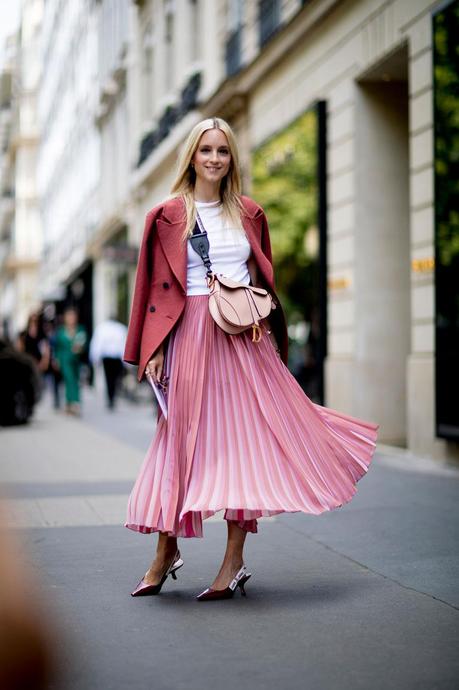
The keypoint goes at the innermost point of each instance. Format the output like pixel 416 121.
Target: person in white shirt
pixel 107 347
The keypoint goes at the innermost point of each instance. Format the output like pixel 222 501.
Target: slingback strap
pixel 239 575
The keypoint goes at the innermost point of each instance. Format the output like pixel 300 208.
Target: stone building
pixel 124 82
pixel 68 167
pixel 261 65
pixel 20 220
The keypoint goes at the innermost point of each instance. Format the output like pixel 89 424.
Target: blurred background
pixel 347 117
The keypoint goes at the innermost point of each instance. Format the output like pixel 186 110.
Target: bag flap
pixel 230 283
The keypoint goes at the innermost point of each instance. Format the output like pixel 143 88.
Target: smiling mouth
pixel 212 168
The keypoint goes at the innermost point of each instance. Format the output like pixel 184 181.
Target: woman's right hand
pixel 154 367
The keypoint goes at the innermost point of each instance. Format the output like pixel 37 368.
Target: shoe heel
pixel 143 589
pixel 241 584
pixel 178 564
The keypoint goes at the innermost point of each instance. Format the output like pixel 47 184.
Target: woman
pixel 240 434
pixel 33 342
pixel 70 344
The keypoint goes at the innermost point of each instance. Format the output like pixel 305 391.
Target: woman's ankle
pixel 233 562
pixel 166 547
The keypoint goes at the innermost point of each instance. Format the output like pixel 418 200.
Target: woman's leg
pixel 165 551
pixel 233 559
pixel 70 374
pixel 75 382
pixel 67 377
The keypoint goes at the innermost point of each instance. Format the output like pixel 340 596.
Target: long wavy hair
pixel 230 185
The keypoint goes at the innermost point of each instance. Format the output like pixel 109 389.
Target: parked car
pixel 20 386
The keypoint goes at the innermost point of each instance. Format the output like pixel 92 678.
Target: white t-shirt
pixel 229 250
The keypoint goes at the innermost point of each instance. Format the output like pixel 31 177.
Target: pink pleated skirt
pixel 241 436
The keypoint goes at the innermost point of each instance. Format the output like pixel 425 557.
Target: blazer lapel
pixel 170 235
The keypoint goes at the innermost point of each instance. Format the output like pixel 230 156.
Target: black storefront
pixel 445 26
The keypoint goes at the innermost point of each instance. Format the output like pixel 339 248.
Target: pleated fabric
pixel 241 436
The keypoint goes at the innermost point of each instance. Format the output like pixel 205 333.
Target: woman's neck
pixel 206 192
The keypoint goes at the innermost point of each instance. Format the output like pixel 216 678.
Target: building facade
pixel 109 249
pixel 371 64
pixel 7 185
pixel 344 89
pixel 68 167
pixel 20 219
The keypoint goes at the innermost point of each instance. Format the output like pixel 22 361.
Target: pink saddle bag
pixel 235 307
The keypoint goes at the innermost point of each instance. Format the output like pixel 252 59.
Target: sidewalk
pixel 365 597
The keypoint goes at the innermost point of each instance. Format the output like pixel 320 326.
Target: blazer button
pixel 166 286
pixel 152 308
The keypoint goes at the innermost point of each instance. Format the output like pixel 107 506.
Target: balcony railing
pixel 170 117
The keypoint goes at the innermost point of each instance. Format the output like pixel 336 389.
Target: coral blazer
pixel 160 284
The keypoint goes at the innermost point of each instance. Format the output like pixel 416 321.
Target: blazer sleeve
pixel 266 244
pixel 141 291
pixel 265 240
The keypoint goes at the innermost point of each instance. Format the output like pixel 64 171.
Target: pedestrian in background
pixel 70 345
pixel 53 372
pixel 33 341
pixel 240 435
pixel 20 386
pixel 107 346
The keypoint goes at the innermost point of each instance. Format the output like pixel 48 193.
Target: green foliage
pixel 285 184
pixel 446 117
pixel 446 74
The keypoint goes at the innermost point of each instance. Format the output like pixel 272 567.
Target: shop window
pixel 446 154
pixel 289 183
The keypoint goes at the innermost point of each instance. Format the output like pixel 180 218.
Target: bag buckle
pixel 256 333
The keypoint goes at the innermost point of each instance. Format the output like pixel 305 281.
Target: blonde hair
pixel 230 185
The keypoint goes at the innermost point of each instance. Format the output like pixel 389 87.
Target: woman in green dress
pixel 71 341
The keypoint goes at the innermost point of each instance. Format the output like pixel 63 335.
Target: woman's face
pixel 212 157
pixel 70 318
pixel 33 325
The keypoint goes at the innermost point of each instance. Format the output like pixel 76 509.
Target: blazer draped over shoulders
pixel 160 283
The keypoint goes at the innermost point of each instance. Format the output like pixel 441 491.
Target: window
pixel 147 76
pixel 195 38
pixel 233 43
pixel 269 19
pixel 169 70
pixel 446 154
pixel 289 181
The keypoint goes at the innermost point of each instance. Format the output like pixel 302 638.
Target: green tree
pixel 285 184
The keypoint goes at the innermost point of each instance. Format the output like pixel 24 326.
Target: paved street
pixel 365 597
